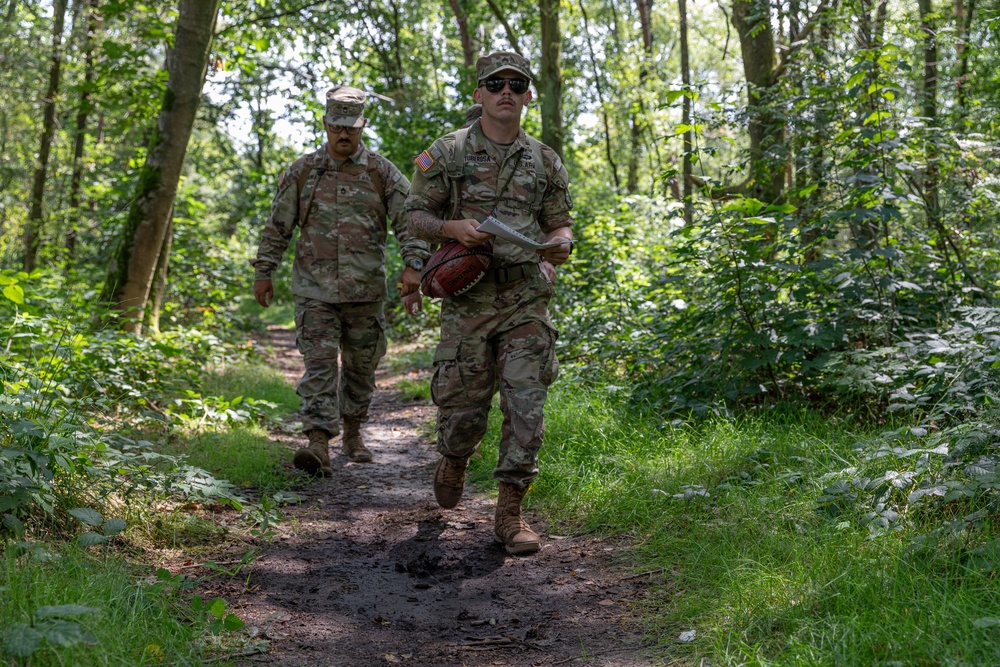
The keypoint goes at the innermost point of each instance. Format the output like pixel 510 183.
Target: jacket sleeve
pixel 280 225
pixel 397 189
pixel 556 202
pixel 429 190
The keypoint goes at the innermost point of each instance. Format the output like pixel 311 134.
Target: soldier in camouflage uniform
pixel 472 114
pixel 339 197
pixel 497 335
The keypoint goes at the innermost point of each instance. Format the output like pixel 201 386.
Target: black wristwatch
pixel 416 264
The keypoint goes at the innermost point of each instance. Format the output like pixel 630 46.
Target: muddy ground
pixel 368 570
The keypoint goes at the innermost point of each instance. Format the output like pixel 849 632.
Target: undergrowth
pixel 781 538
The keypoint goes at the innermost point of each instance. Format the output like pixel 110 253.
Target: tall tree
pixel 752 21
pixel 83 109
pixel 636 110
pixel 599 88
pixel 33 228
pixel 134 262
pixel 963 19
pixel 550 78
pixel 687 141
pixel 465 35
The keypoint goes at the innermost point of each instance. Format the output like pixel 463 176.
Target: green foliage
pixel 48 624
pixel 726 520
pixel 62 605
pixel 213 615
pixel 414 390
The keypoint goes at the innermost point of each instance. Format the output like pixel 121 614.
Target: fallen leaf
pixel 606 603
pixel 686 637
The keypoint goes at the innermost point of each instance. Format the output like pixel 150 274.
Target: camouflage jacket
pixel 529 197
pixel 340 252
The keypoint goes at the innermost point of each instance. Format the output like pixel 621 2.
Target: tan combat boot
pixel 352 444
pixel 315 459
pixel 449 480
pixel 508 526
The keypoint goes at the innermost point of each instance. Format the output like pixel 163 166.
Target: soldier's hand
pixel 409 281
pixel 413 303
pixel 559 254
pixel 548 271
pixel 464 231
pixel 263 291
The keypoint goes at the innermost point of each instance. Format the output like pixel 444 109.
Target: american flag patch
pixel 424 161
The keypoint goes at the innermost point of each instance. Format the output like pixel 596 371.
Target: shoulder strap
pixel 456 168
pixel 303 177
pixel 376 176
pixel 541 178
pixel 303 181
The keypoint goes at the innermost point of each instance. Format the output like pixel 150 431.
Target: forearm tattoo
pixel 428 227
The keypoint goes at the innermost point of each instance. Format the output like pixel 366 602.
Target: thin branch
pixel 725 49
pixel 600 97
pixel 511 35
pixel 800 39
pixel 274 15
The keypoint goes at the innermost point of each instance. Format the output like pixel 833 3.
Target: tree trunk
pixel 963 16
pixel 600 97
pixel 152 314
pixel 635 149
pixel 131 269
pixel 468 46
pixel 550 78
pixel 688 137
pixel 929 112
pixel 751 18
pixel 82 114
pixel 645 8
pixel 636 110
pixel 33 226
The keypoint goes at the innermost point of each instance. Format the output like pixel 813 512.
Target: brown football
pixel 453 269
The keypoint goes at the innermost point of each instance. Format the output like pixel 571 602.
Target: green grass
pixel 257 381
pixel 133 625
pixel 414 390
pixel 243 454
pixel 281 312
pixel 746 559
pixel 420 356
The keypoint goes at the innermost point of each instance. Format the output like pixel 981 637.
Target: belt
pixel 508 274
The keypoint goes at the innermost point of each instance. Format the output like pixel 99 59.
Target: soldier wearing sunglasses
pixel 339 198
pixel 497 335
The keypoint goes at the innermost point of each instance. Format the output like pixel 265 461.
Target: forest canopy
pixel 778 200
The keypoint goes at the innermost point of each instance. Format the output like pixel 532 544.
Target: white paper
pixel 493 226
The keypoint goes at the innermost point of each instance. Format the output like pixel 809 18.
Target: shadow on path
pixel 370 571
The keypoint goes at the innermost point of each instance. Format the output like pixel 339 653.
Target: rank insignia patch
pixel 424 161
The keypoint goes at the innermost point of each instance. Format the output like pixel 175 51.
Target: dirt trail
pixel 368 570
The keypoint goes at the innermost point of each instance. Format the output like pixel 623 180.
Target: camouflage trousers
pixel 352 333
pixel 496 337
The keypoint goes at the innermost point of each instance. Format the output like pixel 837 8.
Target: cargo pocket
pixel 447 388
pixel 300 341
pixel 550 365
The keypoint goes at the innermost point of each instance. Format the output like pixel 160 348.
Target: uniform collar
pixel 479 142
pixel 323 158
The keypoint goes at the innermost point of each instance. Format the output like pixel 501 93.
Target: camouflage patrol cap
pixel 498 61
pixel 472 113
pixel 345 106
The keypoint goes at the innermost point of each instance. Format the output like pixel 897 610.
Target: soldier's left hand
pixel 413 303
pixel 560 253
pixel 409 282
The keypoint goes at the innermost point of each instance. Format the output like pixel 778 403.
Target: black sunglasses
pixel 337 129
pixel 517 86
